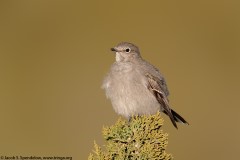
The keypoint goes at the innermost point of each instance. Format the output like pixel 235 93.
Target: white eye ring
pixel 128 50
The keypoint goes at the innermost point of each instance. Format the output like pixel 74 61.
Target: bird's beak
pixel 113 49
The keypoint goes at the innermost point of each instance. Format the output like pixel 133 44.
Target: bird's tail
pixel 177 118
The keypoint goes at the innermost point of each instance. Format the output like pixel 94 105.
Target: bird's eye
pixel 128 50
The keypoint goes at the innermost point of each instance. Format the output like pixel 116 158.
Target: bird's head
pixel 126 52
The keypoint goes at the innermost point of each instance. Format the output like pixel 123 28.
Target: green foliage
pixel 141 138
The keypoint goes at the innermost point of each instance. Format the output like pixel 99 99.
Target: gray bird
pixel 135 87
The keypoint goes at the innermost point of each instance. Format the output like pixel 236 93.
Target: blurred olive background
pixel 54 55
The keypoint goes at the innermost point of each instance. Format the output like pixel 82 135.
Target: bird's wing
pixel 155 87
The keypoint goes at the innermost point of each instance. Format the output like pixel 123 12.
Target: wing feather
pixel 154 85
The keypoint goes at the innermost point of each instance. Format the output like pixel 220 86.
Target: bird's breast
pixel 127 89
